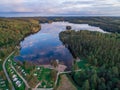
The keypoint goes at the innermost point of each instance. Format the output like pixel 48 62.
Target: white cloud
pixel 105 7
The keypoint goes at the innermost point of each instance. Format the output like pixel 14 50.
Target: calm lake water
pixel 44 46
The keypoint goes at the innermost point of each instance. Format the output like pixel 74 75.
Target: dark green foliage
pixel 110 24
pixel 14 30
pixel 102 51
pixel 86 85
pixel 11 32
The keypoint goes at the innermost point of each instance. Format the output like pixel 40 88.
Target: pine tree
pixel 86 85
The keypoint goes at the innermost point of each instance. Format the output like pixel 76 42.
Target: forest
pixel 100 50
pixel 102 53
pixel 109 24
pixel 12 31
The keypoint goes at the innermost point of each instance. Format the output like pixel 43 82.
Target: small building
pixel 38 68
pixel 18 83
pixel 22 70
pixel 15 79
pixel 2 82
pixel 25 74
pixel 12 72
pixel 9 60
pixel 14 76
pixel 19 67
pixel 35 74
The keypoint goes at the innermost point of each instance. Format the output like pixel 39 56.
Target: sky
pixel 62 7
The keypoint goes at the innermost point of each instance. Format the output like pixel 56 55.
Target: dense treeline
pixel 110 24
pixel 13 30
pixel 102 52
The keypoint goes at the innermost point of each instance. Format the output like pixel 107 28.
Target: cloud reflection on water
pixel 45 45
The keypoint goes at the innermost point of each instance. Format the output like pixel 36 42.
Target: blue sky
pixel 62 7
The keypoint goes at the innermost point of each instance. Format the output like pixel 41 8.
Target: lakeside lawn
pixel 34 74
pixel 44 76
pixel 80 64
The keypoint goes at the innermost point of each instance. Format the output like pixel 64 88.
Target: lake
pixel 44 46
